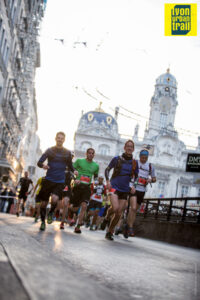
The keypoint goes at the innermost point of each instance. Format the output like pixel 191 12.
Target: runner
pixel 58 159
pixel 24 183
pixel 36 191
pixel 146 175
pixel 119 186
pixel 66 196
pixel 98 191
pixel 86 168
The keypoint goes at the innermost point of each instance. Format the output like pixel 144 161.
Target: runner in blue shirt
pixel 119 186
pixel 58 159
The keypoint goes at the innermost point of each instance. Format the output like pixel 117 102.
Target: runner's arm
pixel 153 175
pixel 109 167
pixel 34 189
pixel 70 165
pixel 42 159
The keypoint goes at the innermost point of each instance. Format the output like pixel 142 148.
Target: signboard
pixel 193 162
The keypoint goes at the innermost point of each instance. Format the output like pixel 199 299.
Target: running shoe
pixel 77 229
pixel 17 214
pixel 62 226
pixel 36 219
pixel 87 225
pixel 109 236
pixel 118 231
pixel 131 232
pixel 92 228
pixel 104 224
pixel 126 231
pixel 42 226
pixel 50 218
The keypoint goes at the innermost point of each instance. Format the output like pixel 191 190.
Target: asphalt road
pixel 63 265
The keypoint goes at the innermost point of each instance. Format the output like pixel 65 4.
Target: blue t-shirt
pixel 121 182
pixel 58 159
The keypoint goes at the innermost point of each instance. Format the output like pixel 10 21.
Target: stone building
pixel 168 154
pixel 19 58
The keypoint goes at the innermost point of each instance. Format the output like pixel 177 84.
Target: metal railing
pixel 172 209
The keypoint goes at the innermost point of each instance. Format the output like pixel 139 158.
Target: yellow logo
pixel 180 19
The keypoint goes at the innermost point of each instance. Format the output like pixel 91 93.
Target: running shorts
pixel 139 195
pixel 81 193
pixel 50 187
pixel 94 205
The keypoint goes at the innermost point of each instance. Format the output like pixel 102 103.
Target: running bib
pixel 111 191
pixel 97 197
pixel 85 179
pixel 66 189
pixel 142 181
pixel 99 191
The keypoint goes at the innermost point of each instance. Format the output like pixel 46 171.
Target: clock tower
pixel 163 106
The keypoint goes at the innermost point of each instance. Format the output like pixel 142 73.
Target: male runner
pixel 146 174
pixel 86 168
pixel 24 182
pixel 58 159
pixel 98 191
pixel 119 185
pixel 66 195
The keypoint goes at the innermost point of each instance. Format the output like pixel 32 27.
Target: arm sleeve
pixel 70 165
pixel 42 159
pixel 109 167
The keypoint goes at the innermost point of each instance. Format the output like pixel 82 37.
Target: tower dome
pixel 167 79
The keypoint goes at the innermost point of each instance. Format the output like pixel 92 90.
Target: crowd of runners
pixel 79 197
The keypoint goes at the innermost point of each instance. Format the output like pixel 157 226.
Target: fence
pixel 172 209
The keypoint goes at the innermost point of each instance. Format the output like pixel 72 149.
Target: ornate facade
pixel 168 154
pixel 19 58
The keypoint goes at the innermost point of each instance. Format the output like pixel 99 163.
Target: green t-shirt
pixel 86 170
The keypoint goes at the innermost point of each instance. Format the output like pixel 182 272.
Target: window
pixel 6 55
pixel 2 37
pixel 163 120
pixel 184 190
pixel 85 146
pixel 4 47
pixel 104 149
pixel 161 188
pixel 199 192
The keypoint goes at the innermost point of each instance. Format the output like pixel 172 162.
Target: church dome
pixel 98 117
pixel 167 79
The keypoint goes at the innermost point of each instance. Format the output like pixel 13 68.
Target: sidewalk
pixel 11 287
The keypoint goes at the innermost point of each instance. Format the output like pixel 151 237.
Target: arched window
pixel 104 149
pixel 163 120
pixel 85 146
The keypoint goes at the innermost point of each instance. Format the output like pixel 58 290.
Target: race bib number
pixel 66 189
pixel 85 179
pixel 111 191
pixel 99 191
pixel 142 181
pixel 97 197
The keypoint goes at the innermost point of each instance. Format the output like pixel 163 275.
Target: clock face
pixel 165 104
pixel 90 117
pixel 109 120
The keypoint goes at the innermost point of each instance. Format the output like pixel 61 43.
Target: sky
pixel 113 50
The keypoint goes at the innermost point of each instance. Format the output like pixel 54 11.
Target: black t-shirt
pixel 25 182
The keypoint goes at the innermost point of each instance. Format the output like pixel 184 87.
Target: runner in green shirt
pixel 87 169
